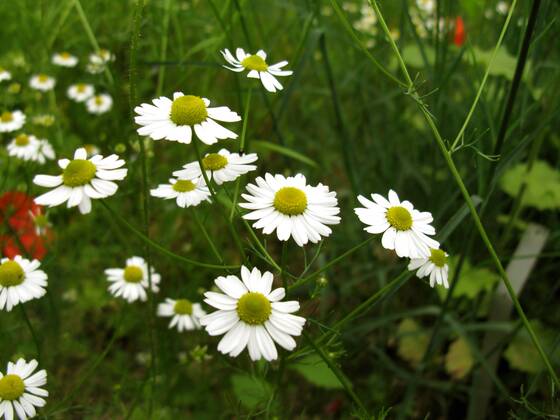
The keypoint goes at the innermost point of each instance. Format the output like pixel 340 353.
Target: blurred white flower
pixel 131 282
pixel 64 59
pixel 186 192
pixel 80 92
pixel 20 281
pixel 184 314
pixel 99 104
pixel 11 121
pixel 42 82
pixel 434 266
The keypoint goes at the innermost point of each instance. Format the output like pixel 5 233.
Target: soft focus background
pixel 341 122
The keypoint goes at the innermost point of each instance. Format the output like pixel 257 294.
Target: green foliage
pixel 459 360
pixel 412 341
pixel 472 281
pixel 250 390
pixel 314 369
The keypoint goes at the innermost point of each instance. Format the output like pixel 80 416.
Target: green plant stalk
pixel 163 53
pixel 34 335
pixel 458 179
pixel 207 236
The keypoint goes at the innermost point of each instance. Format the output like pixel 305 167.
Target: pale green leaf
pixel 314 369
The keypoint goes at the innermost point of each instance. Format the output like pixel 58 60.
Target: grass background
pixel 339 121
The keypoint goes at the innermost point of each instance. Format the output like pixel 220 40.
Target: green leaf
pixel 503 65
pixel 543 185
pixel 317 372
pixel 258 144
pixel 412 341
pixel 412 55
pixel 250 390
pixel 459 359
pixel 473 280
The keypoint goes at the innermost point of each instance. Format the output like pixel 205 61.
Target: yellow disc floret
pixel 399 217
pixel 11 274
pixel 78 172
pixel 188 110
pixel 184 185
pixel 133 274
pixel 253 308
pixel 183 307
pixel 11 387
pixel 22 140
pixel 6 117
pixel 438 257
pixel 290 201
pixel 254 62
pixel 214 162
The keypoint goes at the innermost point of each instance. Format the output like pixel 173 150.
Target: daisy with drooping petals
pixel 21 390
pixel 80 92
pixel 64 59
pixel 258 68
pixel 44 151
pixel 251 315
pixel 174 120
pixel 5 74
pixel 131 282
pixel 103 56
pixel 23 147
pixel 187 192
pixel 185 314
pixel 81 180
pixel 99 104
pixel 42 82
pixel 20 281
pixel 292 208
pixel 404 229
pixel 434 266
pixel 221 167
pixel 11 121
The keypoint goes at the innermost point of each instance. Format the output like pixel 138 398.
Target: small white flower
pixel 292 208
pixel 251 315
pixel 187 192
pixel 11 121
pixel 426 6
pixel 131 282
pixel 404 229
pixel 80 92
pixel 222 166
pixel 64 59
pixel 21 390
pixel 434 266
pixel 81 180
pixel 44 151
pixel 185 314
pixel 20 281
pixel 101 57
pixel 174 120
pixel 42 82
pixel 40 221
pixel 257 66
pixel 23 147
pixel 93 68
pixel 502 8
pixel 5 75
pixel 99 104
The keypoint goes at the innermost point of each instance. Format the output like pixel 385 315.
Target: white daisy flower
pixel 222 166
pixel 103 56
pixel 93 68
pixel 91 149
pixel 251 315
pixel 42 82
pixel 404 229
pixel 99 104
pixel 257 66
pixel 23 147
pixel 81 180
pixel 64 59
pixel 11 121
pixel 21 390
pixel 426 6
pixel 174 120
pixel 502 8
pixel 434 266
pixel 187 192
pixel 131 282
pixel 44 151
pixel 80 92
pixel 292 208
pixel 185 314
pixel 5 75
pixel 20 281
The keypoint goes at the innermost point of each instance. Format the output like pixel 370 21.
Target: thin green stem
pixel 207 236
pixel 34 335
pixel 163 52
pixel 242 142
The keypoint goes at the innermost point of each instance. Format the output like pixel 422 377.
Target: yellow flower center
pixel 188 110
pixel 214 162
pixel 183 307
pixel 399 217
pixel 22 140
pixel 290 200
pixel 65 55
pixel 11 387
pixel 133 274
pixel 78 172
pixel 11 274
pixel 6 117
pixel 253 308
pixel 438 257
pixel 183 185
pixel 81 87
pixel 42 78
pixel 98 100
pixel 254 62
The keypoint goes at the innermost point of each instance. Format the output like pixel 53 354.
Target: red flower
pixel 17 213
pixel 459 35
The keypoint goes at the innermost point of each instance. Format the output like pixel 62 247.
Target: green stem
pixel 207 236
pixel 163 53
pixel 32 332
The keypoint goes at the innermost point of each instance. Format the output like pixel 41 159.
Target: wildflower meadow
pixel 279 209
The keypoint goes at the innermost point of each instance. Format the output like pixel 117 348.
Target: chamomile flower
pixel 131 282
pixel 251 315
pixel 99 104
pixel 292 208
pixel 174 120
pixel 81 180
pixel 184 314
pixel 186 192
pixel 502 7
pixel 64 59
pixel 222 166
pixel 40 221
pixel 21 390
pixel 11 121
pixel 80 92
pixel 404 229
pixel 257 67
pixel 103 56
pixel 42 82
pixel 426 6
pixel 434 266
pixel 5 75
pixel 20 281
pixel 23 147
pixel 44 151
